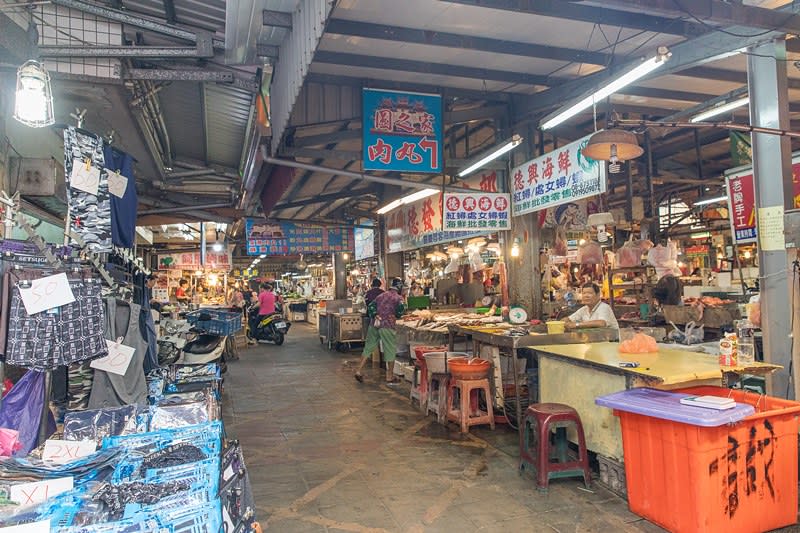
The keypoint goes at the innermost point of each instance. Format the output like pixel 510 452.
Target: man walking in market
pixel 384 310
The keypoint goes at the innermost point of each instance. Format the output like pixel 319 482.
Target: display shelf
pixel 641 290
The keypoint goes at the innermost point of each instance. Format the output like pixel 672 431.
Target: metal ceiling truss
pixel 685 55
pixel 716 11
pixel 597 15
pixel 277 19
pixel 216 76
pixel 454 40
pixel 324 198
pixel 195 36
pixel 203 49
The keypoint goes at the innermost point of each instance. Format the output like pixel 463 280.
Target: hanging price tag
pixel 84 176
pixel 39 491
pixel 117 183
pixel 118 358
pixel 46 293
pixel 64 451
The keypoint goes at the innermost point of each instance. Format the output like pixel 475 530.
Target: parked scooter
pixel 270 328
pixel 185 345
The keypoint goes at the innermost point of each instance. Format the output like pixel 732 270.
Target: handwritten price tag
pixel 118 358
pixel 39 491
pixel 117 183
pixel 84 177
pixel 46 293
pixel 64 451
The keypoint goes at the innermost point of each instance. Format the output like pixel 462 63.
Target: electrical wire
pixel 733 34
pixel 795 288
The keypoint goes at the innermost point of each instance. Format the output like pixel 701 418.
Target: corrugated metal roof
pixel 205 14
pixel 181 104
pixel 227 112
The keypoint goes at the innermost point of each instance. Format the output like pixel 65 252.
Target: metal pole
pixel 357 175
pixel 165 210
pixel 48 383
pixel 772 174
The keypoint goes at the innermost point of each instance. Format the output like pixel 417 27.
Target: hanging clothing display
pixel 90 214
pixel 61 336
pixel 123 207
pixel 113 390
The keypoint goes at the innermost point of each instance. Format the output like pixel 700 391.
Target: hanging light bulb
pixel 34 97
pixel 515 248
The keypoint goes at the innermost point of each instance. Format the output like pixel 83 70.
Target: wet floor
pixel 326 453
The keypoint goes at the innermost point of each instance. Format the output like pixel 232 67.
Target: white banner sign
pixel 559 177
pixel 476 211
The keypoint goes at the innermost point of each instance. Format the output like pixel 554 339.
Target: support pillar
pixel 339 276
pixel 769 108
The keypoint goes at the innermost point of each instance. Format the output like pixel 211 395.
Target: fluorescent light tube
pixel 617 84
pixel 712 200
pixel 714 111
pixel 413 197
pixel 515 141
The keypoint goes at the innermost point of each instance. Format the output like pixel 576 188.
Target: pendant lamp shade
pixel 613 145
pixel 34 97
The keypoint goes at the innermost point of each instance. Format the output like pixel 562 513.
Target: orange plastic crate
pixel 733 478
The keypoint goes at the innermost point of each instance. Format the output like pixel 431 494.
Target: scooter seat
pixel 203 344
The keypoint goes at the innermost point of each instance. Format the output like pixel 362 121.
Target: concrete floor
pixel 326 453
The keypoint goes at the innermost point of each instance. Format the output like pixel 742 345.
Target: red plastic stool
pixel 437 395
pixel 545 450
pixel 462 409
pixel 419 384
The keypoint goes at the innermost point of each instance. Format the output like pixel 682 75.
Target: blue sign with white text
pixel 402 131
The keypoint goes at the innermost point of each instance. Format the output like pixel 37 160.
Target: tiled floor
pixel 326 453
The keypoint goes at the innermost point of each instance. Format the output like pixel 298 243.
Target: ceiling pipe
pixel 358 175
pixel 167 210
pixel 190 173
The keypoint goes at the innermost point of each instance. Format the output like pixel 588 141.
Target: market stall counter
pixel 576 374
pixel 502 339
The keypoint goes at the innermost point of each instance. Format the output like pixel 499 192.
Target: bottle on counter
pixel 728 350
pixel 746 345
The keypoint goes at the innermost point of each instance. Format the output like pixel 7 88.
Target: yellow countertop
pixel 666 366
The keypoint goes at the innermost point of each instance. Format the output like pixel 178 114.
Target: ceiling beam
pixel 150 52
pixel 324 198
pixel 169 11
pixel 14 40
pixel 733 76
pixel 277 19
pixel 454 40
pixel 358 81
pixel 423 67
pixel 687 54
pixel 715 11
pixel 596 15
pixel 326 138
pixel 681 145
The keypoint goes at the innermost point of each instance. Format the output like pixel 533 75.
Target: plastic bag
pixel 22 411
pixel 639 343
pixel 664 259
pixel 476 263
pixel 591 254
pixel 754 311
pixel 9 442
pixel 693 334
pixel 630 254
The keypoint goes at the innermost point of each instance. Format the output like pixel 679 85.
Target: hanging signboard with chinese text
pixel 561 176
pixel 402 131
pixel 191 261
pixel 740 187
pixel 288 238
pixel 364 242
pixel 479 210
pixel 419 224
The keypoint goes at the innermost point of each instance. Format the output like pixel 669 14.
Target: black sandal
pixel 393 381
pixel 359 378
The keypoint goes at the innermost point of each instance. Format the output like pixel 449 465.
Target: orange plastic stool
pixel 549 459
pixel 419 384
pixel 437 395
pixel 462 410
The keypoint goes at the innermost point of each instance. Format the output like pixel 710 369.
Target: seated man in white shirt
pixel 594 314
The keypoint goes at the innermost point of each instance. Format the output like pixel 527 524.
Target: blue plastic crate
pixel 221 322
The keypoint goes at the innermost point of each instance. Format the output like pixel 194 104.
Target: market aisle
pixel 328 454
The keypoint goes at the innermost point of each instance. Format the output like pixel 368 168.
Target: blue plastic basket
pixel 221 323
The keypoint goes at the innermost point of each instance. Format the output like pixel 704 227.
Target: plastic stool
pixel 536 447
pixel 437 395
pixel 419 385
pixel 462 410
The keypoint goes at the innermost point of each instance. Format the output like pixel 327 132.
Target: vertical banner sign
pixel 742 206
pixel 479 210
pixel 365 242
pixel 556 178
pixel 402 131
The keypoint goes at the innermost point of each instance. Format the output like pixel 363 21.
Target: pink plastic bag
pixel 629 255
pixel 9 442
